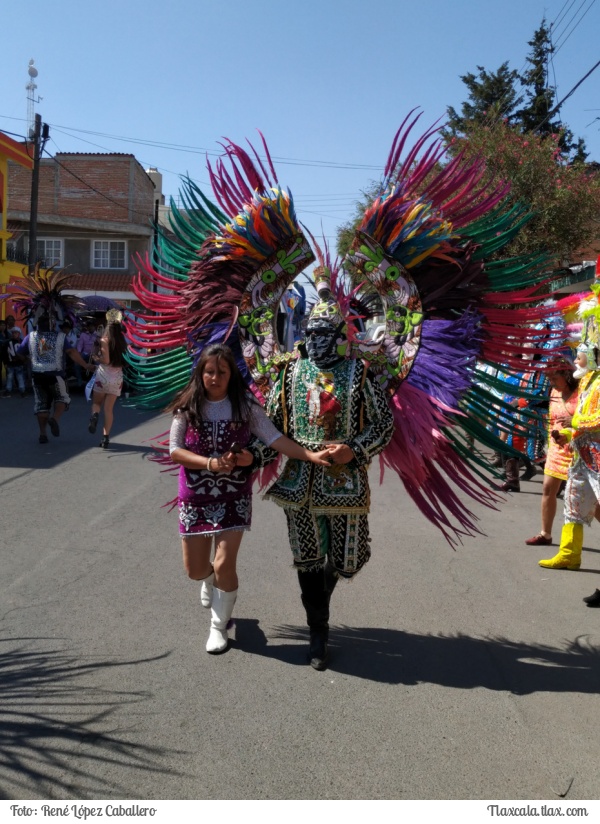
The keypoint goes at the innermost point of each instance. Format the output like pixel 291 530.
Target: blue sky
pixel 327 81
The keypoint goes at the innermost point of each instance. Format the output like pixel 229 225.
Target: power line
pixel 566 97
pixel 134 211
pixel 288 161
pixel 553 29
pixel 559 45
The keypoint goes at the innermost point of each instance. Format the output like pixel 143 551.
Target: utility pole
pixel 155 240
pixel 40 136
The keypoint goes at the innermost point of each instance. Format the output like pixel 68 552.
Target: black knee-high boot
pixel 316 588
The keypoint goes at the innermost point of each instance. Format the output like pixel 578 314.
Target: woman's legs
pixel 225 590
pixel 549 493
pixel 196 556
pixel 97 401
pixel 228 546
pixel 196 560
pixel 109 404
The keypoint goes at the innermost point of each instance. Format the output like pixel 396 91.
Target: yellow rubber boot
pixel 569 552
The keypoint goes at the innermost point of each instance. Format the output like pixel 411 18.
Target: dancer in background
pixel 108 381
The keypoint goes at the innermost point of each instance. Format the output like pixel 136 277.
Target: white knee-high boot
pixel 206 590
pixel 221 611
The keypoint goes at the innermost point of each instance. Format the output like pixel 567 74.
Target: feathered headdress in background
pixel 41 294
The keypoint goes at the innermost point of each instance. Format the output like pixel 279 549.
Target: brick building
pixel 95 214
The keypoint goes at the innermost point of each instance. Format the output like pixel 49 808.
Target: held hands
pixel 339 453
pixel 321 458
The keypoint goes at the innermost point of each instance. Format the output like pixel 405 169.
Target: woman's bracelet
pixel 208 464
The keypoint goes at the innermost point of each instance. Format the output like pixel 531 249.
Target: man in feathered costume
pixel 432 305
pixel 40 299
pixel 326 399
pixel 582 492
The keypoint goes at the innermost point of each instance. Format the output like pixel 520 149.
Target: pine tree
pixel 540 95
pixel 495 96
pixel 491 95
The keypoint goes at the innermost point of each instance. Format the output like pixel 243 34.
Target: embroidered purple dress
pixel 210 502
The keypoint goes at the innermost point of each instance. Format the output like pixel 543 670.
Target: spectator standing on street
pixel 562 406
pixel 4 340
pixel 67 328
pixel 15 366
pixel 71 343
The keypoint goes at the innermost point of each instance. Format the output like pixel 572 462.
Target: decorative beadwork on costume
pixel 257 321
pixel 391 355
pixel 364 422
pixel 327 397
pixel 46 350
pixel 188 515
pixel 208 501
pixel 344 539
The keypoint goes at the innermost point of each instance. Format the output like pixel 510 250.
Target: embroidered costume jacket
pixel 315 407
pixel 585 426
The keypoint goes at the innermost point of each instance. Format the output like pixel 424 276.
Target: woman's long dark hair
pixel 191 399
pixel 117 345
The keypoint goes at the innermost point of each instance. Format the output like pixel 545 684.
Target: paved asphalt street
pixel 468 674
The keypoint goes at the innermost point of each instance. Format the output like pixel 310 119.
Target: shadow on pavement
pixel 457 661
pixel 59 734
pixel 20 447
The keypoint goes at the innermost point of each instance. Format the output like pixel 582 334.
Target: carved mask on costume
pixel 587 353
pixel 324 327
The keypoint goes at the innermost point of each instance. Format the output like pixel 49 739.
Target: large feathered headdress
pixel 232 265
pixel 439 317
pixel 41 293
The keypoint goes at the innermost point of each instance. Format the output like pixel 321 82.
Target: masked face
pixel 585 361
pixel 581 365
pixel 321 343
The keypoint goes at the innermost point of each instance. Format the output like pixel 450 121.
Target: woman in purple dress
pixel 214 420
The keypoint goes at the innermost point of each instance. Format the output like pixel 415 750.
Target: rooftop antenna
pixel 31 98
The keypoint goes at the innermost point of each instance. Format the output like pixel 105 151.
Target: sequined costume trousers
pixel 581 494
pixel 314 538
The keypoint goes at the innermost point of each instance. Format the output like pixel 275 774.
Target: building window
pixel 109 254
pixel 49 252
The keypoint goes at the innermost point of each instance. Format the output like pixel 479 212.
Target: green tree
pixel 494 96
pixel 540 96
pixel 564 197
pixel 527 147
pixel 491 95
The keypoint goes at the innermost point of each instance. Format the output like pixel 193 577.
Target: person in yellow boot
pixel 582 493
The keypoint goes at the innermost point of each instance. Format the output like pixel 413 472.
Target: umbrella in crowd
pixel 99 303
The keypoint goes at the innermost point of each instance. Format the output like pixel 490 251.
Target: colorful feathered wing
pixel 455 322
pixel 220 280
